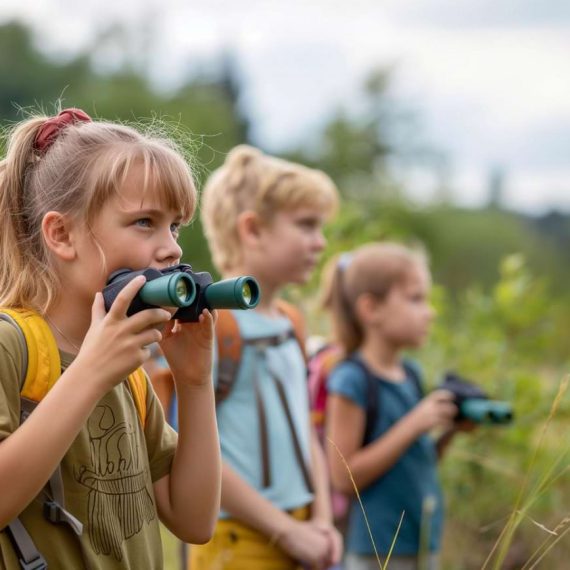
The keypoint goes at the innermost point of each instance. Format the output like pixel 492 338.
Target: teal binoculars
pixel 474 405
pixel 179 286
pixel 483 411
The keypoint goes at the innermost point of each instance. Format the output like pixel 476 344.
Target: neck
pixel 382 357
pixel 68 327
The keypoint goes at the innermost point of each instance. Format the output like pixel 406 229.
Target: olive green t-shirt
pixel 107 472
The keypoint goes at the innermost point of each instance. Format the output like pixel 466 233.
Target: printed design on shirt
pixel 118 500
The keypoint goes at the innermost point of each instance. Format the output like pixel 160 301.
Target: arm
pixel 447 436
pixel 31 454
pixel 321 508
pixel 370 462
pixel 188 499
pixel 114 346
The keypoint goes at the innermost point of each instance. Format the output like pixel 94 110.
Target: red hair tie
pixel 50 130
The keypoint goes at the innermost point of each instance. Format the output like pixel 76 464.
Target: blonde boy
pixel 263 217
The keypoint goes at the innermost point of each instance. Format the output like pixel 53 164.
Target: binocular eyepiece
pixel 474 404
pixel 179 286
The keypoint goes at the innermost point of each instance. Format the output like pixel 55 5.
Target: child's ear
pixel 366 308
pixel 249 228
pixel 56 232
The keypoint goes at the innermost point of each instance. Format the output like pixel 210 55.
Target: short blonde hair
pixel 251 180
pixel 86 165
pixel 371 268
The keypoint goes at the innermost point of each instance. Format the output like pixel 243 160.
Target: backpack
pixel 230 347
pixel 319 367
pixel 41 369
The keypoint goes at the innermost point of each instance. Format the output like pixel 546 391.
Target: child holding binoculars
pixel 80 199
pixel 378 297
pixel 263 217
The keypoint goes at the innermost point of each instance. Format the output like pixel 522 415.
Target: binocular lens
pixel 182 292
pixel 246 293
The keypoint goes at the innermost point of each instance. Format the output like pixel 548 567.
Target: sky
pixel 488 82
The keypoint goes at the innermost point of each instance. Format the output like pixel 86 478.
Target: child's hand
pixel 437 409
pixel 335 542
pixel 116 344
pixel 188 348
pixel 304 542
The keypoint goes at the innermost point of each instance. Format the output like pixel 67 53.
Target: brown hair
pixel 251 180
pixel 84 167
pixel 372 268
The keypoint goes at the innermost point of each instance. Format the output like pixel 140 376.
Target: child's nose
pixel 170 250
pixel 320 241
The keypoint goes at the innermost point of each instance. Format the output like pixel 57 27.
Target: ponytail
pixel 19 280
pixel 347 331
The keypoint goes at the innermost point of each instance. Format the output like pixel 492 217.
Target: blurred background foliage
pixel 500 275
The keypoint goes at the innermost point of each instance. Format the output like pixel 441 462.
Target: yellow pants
pixel 236 546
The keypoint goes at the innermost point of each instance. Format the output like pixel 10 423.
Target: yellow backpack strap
pixel 298 322
pixel 43 365
pixel 138 385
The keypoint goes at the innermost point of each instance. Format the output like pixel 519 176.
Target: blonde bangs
pixel 165 175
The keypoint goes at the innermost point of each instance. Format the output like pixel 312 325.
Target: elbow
pixel 342 483
pixel 198 534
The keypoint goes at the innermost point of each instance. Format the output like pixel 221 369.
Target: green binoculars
pixel 483 411
pixel 179 286
pixel 474 405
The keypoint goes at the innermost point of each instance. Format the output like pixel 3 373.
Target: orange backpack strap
pixel 298 322
pixel 230 346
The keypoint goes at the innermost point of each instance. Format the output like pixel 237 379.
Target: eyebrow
pixel 149 212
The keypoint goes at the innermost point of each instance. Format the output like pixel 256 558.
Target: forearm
pixel 321 507
pixel 371 462
pixel 444 440
pixel 30 455
pixel 244 503
pixel 193 501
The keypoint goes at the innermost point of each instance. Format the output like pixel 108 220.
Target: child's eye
pixel 308 224
pixel 175 228
pixel 144 222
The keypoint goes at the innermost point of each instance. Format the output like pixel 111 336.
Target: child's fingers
pixel 147 319
pixel 123 300
pixel 148 337
pixel 98 308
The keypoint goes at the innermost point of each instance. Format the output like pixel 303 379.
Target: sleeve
pixel 10 375
pixel 161 439
pixel 348 380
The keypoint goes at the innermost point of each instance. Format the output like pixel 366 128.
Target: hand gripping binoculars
pixel 474 404
pixel 178 286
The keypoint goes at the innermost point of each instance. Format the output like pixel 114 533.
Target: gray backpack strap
pixel 28 555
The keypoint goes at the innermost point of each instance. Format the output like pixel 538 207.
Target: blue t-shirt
pixel 410 485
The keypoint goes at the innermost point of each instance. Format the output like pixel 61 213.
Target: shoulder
pixel 349 379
